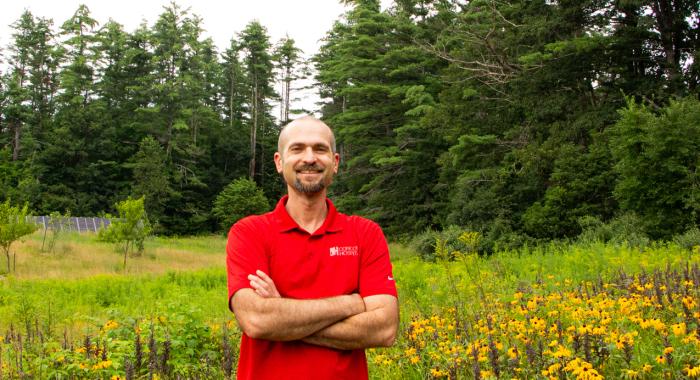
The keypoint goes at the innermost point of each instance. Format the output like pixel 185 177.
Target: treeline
pixel 92 114
pixel 522 120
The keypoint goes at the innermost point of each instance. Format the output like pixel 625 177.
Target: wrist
pixel 358 304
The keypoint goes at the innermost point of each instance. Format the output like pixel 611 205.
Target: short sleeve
pixel 376 275
pixel 245 253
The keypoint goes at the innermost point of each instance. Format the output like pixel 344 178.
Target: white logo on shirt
pixel 344 251
pixel 389 278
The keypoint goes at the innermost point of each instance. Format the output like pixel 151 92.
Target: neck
pixel 308 210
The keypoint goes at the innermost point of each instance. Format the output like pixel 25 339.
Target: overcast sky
pixel 306 21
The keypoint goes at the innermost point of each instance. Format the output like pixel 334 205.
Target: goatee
pixel 310 188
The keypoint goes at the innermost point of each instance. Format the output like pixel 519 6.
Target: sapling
pixel 13 225
pixel 130 230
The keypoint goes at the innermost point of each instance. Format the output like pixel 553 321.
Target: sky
pixel 306 21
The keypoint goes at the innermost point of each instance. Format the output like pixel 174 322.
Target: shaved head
pixel 304 120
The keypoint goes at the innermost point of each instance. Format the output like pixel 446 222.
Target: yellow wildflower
pixel 692 372
pixel 678 329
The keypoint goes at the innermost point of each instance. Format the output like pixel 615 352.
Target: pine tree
pixel 290 67
pixel 257 60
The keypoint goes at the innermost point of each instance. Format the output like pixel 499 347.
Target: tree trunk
pixel 7 255
pixel 230 100
pixel 17 126
pixel 286 98
pixel 664 14
pixel 254 127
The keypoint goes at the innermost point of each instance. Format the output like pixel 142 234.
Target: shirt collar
pixel 333 223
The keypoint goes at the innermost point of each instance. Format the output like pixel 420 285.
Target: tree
pixel 151 177
pixel 130 230
pixel 288 62
pixel 56 223
pixel 239 199
pixel 13 225
pixel 257 60
pixel 657 162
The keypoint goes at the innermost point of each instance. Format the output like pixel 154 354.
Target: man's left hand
pixel 263 285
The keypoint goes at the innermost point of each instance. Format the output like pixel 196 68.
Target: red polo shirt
pixel 347 254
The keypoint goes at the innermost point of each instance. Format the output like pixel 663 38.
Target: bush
pixel 425 243
pixel 501 237
pixel 688 239
pixel 13 226
pixel 626 228
pixel 239 199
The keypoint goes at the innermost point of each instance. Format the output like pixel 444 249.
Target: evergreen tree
pixel 71 164
pixel 257 60
pixel 230 149
pixel 290 67
pixel 151 179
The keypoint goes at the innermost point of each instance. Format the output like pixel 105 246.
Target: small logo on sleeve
pixel 344 251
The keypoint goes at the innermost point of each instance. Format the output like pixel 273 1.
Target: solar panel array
pixel 78 224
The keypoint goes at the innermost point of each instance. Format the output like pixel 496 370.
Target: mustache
pixel 310 167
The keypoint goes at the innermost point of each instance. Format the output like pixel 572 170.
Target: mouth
pixel 309 169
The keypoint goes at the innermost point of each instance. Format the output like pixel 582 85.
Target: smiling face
pixel 306 157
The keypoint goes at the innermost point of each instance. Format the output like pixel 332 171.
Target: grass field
pixel 560 311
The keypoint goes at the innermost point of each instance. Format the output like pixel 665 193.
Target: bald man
pixel 310 287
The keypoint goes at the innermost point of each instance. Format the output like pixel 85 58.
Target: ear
pixel 278 162
pixel 336 162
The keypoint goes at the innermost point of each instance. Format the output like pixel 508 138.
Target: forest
pixel 525 121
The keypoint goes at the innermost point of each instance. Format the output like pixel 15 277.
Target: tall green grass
pixel 190 304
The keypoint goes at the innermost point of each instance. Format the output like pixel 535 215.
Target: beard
pixel 311 187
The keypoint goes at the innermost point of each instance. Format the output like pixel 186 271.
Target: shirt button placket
pixel 309 246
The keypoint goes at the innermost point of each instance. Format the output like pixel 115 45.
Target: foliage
pixel 657 161
pixel 131 228
pixel 626 228
pixel 151 178
pixel 239 199
pixel 451 239
pixel 13 225
pixel 514 119
pixel 56 223
pixel 612 309
pixel 689 239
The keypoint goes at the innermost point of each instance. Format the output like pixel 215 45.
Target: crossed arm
pixel 343 322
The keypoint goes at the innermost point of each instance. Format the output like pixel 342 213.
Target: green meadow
pixel 555 311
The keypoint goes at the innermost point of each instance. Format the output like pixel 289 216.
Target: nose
pixel 309 155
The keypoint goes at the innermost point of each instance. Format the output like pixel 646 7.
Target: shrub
pixel 239 199
pixel 688 239
pixel 426 243
pixel 625 228
pixel 130 230
pixel 13 226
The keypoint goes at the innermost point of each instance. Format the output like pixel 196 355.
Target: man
pixel 310 287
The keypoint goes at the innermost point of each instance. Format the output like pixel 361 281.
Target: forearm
pixel 373 328
pixel 283 319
